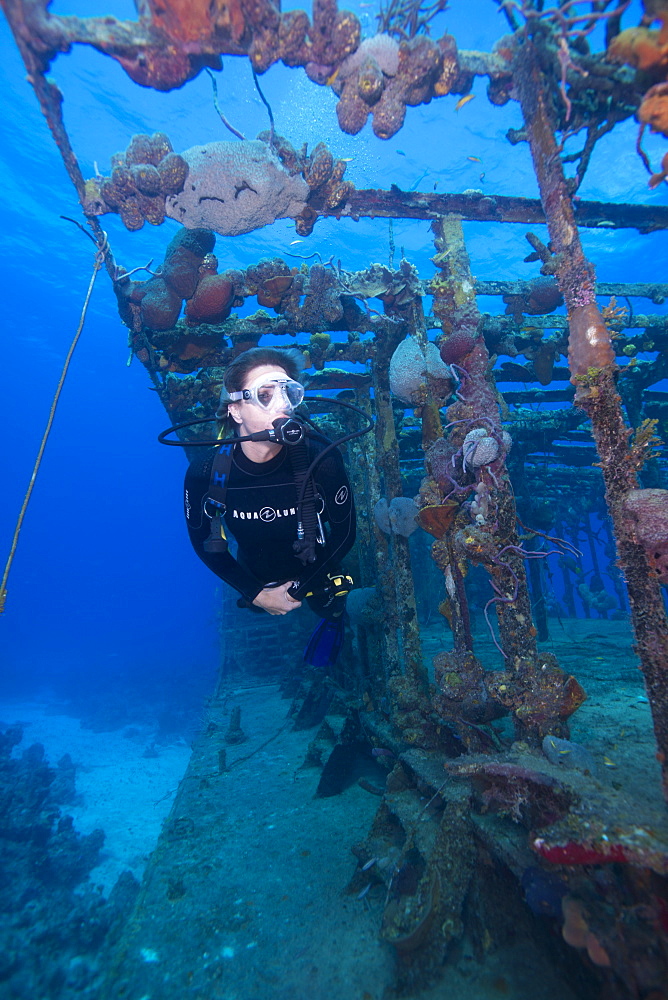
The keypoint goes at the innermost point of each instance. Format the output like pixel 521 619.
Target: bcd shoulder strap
pixel 216 497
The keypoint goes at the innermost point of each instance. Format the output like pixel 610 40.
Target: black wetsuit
pixel 261 514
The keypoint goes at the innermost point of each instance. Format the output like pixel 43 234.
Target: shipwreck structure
pixel 448 455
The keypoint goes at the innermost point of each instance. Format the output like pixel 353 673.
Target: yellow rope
pixel 99 259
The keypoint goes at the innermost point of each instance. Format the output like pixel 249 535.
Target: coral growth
pixel 233 187
pixel 160 305
pixel 382 77
pixel 415 375
pixel 540 297
pixel 654 109
pixel 542 357
pixel 151 308
pixel 455 347
pixel 541 704
pixel 322 298
pixel 460 691
pixel 394 288
pixel 322 173
pixel 397 517
pixel 589 344
pixel 272 290
pixel 641 48
pixel 648 510
pixel 576 932
pixel 142 178
pixel 436 519
pixel 527 795
pixel 236 187
pixel 482 448
pixel 55 922
pixel 163 294
pixel 212 300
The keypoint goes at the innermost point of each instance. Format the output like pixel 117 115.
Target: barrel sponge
pixel 397 517
pixel 414 375
pixel 358 602
pixel 160 305
pixel 183 258
pixel 235 188
pixel 408 368
pixel 198 241
pixel 212 300
pixel 402 513
pixel 436 367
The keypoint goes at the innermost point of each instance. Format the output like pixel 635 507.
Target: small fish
pixel 435 185
pixel 562 752
pixel 295 242
pixel 400 152
pixel 482 176
pixel 474 159
pixel 463 100
pixel 608 762
pixel 369 864
pixel 347 159
pixel 381 752
pixel 364 891
pixel 419 180
pixel 330 79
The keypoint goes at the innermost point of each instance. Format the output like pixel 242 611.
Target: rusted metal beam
pixel 505 323
pixel 658 293
pixel 540 396
pixel 591 359
pixel 479 207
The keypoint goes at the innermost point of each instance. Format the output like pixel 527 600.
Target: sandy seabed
pixel 288 854
pixel 119 789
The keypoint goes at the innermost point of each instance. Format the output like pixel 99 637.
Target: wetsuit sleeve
pixel 223 564
pixel 339 513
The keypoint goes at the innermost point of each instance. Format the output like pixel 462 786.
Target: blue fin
pixel 325 643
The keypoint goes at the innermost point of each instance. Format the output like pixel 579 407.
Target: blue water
pixel 103 580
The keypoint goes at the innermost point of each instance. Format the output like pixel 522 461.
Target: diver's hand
pixel 276 600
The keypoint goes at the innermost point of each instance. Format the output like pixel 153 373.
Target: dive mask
pixel 274 393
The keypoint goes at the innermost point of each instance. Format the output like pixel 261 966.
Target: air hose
pixel 307 517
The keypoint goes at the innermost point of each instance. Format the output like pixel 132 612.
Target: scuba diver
pixel 292 515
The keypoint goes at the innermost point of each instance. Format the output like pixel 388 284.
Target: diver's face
pixel 248 415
